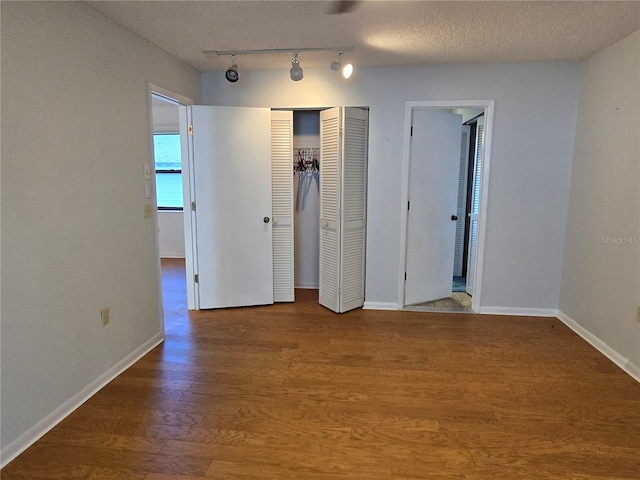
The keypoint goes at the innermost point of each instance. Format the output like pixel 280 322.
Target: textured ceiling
pixel 383 33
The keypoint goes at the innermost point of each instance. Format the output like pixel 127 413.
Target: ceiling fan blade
pixel 338 7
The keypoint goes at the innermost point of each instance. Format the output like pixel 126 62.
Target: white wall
pixel 171 233
pixel 75 137
pixel 306 133
pixel 601 275
pixel 165 116
pixel 530 167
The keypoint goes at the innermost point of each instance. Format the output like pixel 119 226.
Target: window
pixel 168 159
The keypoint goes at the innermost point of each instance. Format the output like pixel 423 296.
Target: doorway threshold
pixel 458 302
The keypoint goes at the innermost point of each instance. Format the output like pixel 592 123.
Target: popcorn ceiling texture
pixel 384 33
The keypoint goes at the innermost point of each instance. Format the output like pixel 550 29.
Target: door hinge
pixel 196 278
pixel 405 276
pixel 412 130
pixel 409 205
pixel 193 206
pixel 190 129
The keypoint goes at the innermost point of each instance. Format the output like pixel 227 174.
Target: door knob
pixel 454 217
pixel 265 219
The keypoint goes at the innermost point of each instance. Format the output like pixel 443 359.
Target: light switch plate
pixel 147 171
pixel 105 315
pixel 148 210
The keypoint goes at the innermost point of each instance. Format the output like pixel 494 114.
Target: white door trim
pixel 489 107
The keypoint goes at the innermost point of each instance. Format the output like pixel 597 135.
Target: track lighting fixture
pixel 296 70
pixel 232 72
pixel 295 73
pixel 346 69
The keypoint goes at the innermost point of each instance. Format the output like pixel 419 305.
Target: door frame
pixel 489 108
pixel 181 101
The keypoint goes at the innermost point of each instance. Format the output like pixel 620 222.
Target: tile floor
pixel 458 302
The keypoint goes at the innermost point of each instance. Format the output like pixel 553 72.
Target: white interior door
pixel 475 206
pixel 232 191
pixel 433 189
pixel 343 167
pixel 282 205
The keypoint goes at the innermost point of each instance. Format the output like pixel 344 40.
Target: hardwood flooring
pixel 293 391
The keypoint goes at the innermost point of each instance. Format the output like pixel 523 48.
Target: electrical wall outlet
pixel 104 315
pixel 148 210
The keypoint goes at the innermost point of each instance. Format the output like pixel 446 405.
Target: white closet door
pixel 475 206
pixel 354 205
pixel 462 201
pixel 232 172
pixel 343 190
pixel 282 205
pixel 330 192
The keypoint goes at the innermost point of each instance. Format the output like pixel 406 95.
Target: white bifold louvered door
pixel 343 192
pixel 475 206
pixel 462 201
pixel 282 205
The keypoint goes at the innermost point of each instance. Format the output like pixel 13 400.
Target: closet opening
pixel 230 183
pixel 306 199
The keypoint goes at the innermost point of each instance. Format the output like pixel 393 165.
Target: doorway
pixel 306 198
pixel 445 179
pixel 163 193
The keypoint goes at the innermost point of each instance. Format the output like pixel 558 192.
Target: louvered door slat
pixel 475 206
pixel 462 201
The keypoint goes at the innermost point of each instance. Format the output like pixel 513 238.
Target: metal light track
pixel 218 53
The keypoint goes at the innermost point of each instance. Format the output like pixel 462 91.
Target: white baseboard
pixel 28 438
pixel 520 312
pixel 380 306
pixel 633 370
pixel 621 361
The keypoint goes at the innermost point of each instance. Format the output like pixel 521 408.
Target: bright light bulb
pixel 347 70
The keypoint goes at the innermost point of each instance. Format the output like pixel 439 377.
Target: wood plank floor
pixel 293 391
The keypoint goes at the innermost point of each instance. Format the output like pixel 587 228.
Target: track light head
pixel 346 69
pixel 232 72
pixel 296 73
